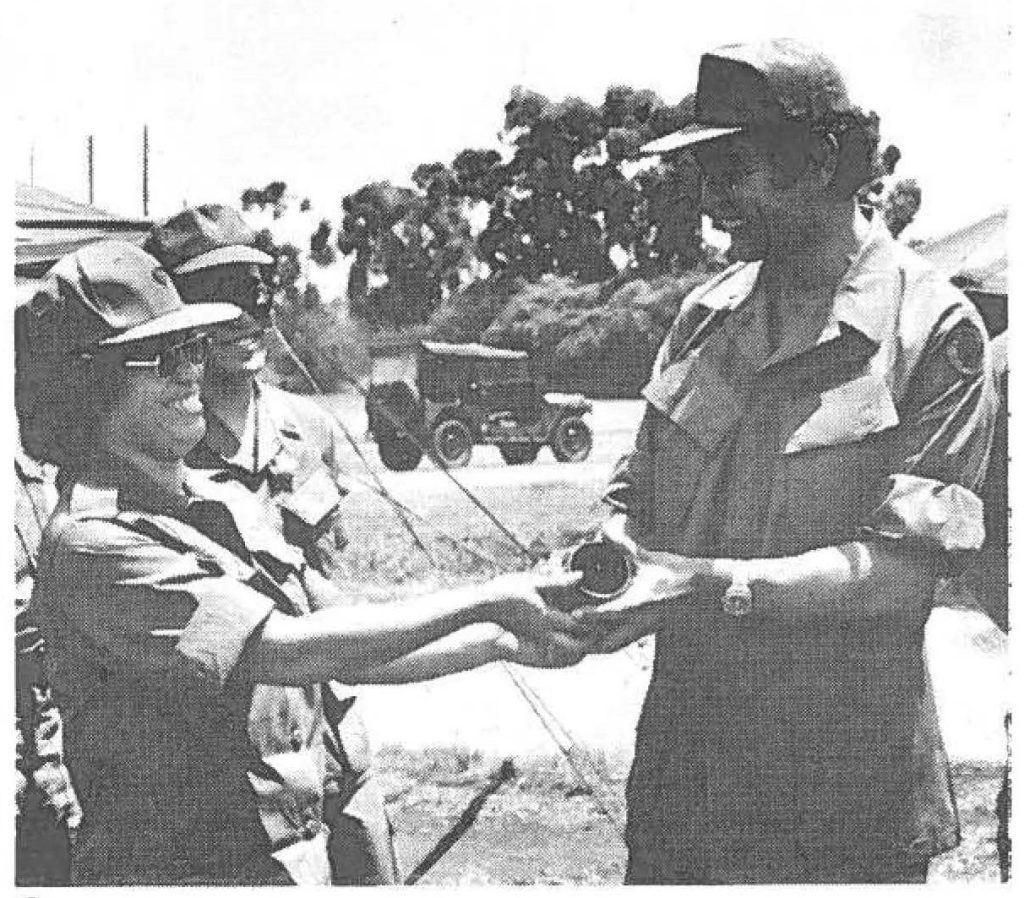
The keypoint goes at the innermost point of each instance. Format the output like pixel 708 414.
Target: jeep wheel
pixel 572 440
pixel 453 443
pixel 399 453
pixel 519 453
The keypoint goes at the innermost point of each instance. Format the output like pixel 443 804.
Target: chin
pixel 178 444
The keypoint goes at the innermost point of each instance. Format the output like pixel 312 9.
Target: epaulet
pixel 88 501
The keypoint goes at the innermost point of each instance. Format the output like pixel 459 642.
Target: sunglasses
pixel 169 359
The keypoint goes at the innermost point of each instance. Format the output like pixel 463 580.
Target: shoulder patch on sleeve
pixel 965 347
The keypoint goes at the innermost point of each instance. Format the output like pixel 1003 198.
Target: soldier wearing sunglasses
pixel 187 640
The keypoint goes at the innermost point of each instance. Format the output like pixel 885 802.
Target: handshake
pixel 597 598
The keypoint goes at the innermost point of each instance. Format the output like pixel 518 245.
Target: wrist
pixel 501 646
pixel 475 605
pixel 715 576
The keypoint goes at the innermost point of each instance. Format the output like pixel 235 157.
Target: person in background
pixel 187 639
pixel 817 429
pixel 282 448
pixel 47 808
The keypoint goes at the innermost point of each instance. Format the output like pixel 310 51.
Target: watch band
pixel 738 600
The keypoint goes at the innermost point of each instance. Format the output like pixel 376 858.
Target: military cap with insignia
pixel 204 237
pixel 201 241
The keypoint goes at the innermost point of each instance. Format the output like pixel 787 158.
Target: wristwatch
pixel 738 600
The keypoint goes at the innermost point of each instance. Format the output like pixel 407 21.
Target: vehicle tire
pixel 519 453
pixel 399 453
pixel 453 442
pixel 572 439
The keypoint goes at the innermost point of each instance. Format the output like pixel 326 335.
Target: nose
pixel 714 195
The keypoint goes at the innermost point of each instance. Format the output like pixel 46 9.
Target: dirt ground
pixel 439 741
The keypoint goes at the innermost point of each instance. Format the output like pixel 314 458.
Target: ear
pixel 825 157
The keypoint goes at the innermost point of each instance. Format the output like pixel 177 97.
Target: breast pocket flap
pixel 846 414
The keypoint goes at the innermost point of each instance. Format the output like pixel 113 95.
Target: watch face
pixel 737 601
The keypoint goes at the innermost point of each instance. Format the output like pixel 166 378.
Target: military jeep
pixel 458 395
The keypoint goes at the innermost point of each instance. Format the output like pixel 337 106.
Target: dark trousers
pixel 656 868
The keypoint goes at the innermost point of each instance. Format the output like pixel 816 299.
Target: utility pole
pixel 89 154
pixel 145 171
pixel 32 166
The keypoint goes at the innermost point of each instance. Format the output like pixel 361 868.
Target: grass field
pixel 542 828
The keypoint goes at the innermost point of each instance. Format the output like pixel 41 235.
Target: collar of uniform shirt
pixel 870 274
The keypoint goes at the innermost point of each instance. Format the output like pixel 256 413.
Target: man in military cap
pixel 818 423
pixel 283 449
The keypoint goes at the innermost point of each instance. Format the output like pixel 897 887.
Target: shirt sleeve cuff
pixel 216 635
pixel 943 516
pixel 625 491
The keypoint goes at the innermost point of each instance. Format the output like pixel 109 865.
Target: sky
pixel 328 96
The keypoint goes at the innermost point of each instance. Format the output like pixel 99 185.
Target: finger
pixel 618 639
pixel 560 621
pixel 563 650
pixel 557 580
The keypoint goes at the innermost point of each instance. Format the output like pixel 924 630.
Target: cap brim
pixel 225 255
pixel 187 318
pixel 687 137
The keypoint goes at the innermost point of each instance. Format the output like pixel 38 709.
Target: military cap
pixel 746 86
pixel 203 237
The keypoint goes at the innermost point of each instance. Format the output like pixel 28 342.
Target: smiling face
pixel 154 416
pixel 764 200
pixel 240 346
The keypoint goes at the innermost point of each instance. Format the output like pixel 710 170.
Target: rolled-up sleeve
pixel 630 489
pixel 151 607
pixel 942 445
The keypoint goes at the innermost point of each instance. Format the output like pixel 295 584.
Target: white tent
pixel 974 258
pixel 48 226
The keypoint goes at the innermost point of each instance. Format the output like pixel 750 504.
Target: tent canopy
pixel 48 226
pixel 973 257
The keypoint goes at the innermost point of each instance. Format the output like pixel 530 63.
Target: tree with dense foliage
pixel 570 201
pixel 261 197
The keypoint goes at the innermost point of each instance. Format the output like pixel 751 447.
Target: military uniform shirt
pixel 777 751
pixel 289 462
pixel 186 775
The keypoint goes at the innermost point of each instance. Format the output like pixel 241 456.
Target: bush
pixel 598 339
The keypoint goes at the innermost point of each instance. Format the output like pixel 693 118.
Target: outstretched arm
pixel 355 643
pixel 853 581
pixel 472 647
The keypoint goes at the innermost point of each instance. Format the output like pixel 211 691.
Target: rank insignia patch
pixel 965 348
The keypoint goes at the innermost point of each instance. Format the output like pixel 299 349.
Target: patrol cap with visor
pixel 107 299
pixel 746 87
pixel 208 237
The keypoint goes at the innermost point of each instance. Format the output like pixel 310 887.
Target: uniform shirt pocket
pixel 846 413
pixel 313 502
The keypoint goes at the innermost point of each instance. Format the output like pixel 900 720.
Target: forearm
pixel 470 647
pixel 346 643
pixel 853 581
